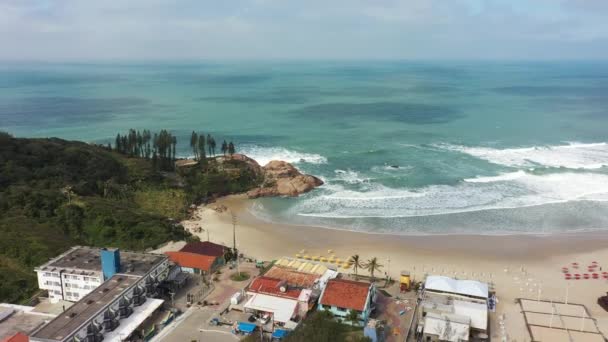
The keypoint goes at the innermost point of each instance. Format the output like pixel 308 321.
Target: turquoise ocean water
pixel 404 147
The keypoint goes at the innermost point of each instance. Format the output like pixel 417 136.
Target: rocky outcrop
pixel 283 179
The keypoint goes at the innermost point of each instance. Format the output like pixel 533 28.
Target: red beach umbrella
pixel 586 275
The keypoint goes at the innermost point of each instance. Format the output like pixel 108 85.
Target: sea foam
pixel 572 155
pixel 263 155
pixel 516 190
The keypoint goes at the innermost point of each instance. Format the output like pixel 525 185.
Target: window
pixel 47 274
pixel 326 307
pixel 341 309
pixel 68 285
pixel 56 283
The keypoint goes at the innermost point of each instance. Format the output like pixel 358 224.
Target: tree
pixel 201 149
pixel 213 144
pixel 356 261
pixel 231 149
pixel 194 144
pixel 372 266
pixel 224 148
pixel 353 317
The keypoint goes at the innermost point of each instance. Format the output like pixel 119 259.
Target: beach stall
pixel 405 281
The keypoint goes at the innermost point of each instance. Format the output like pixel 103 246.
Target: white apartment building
pixel 75 273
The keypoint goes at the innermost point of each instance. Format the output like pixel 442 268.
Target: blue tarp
pixel 246 327
pixel 280 333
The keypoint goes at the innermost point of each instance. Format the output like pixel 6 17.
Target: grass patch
pixel 242 276
pixel 165 202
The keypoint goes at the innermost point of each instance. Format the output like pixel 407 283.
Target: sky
pixel 82 30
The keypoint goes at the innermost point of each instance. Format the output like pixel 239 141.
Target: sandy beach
pixel 517 265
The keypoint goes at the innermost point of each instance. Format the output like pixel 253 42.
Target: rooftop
pixel 348 294
pixel 204 248
pixel 447 328
pixel 88 307
pixel 272 286
pixel 292 276
pixel 471 288
pixel 16 319
pixel 192 260
pixel 282 308
pixel 88 259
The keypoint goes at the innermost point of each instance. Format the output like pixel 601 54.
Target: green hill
pixel 55 194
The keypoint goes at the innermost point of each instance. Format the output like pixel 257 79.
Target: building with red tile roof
pixel 274 287
pixel 341 296
pixel 199 257
pixel 204 248
pixel 18 337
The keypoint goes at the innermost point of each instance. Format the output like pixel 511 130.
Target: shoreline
pixel 517 265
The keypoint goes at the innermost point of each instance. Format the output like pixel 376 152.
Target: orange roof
pixel 185 259
pixel 292 277
pixel 18 337
pixel 348 294
pixel 271 286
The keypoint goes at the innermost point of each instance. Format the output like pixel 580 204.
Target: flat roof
pixel 282 308
pixel 87 308
pixel 128 325
pixel 19 319
pixel 88 258
pixel 471 288
pixel 440 325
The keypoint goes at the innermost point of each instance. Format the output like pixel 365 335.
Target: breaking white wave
pixel 508 176
pixel 263 155
pixel 572 155
pixel 350 177
pixel 501 192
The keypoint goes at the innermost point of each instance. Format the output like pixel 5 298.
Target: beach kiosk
pixel 405 281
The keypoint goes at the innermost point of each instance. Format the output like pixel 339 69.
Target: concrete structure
pixel 341 296
pixel 75 273
pixel 441 327
pixel 19 319
pixel 200 257
pixel 453 310
pixel 117 306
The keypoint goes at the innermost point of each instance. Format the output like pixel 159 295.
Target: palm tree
pixel 372 266
pixel 356 261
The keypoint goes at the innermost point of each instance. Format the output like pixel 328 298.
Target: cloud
pixel 268 29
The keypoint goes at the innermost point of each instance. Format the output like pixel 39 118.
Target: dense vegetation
pixel 55 194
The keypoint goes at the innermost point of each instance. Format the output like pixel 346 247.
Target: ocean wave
pixel 350 177
pixel 507 176
pixel 502 192
pixel 263 155
pixel 572 155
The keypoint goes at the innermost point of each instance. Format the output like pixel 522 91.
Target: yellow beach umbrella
pixel 323 259
pixel 338 261
pixel 298 255
pixel 316 258
pixel 306 256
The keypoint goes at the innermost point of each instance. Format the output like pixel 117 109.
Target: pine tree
pixel 224 147
pixel 201 149
pixel 194 144
pixel 231 149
